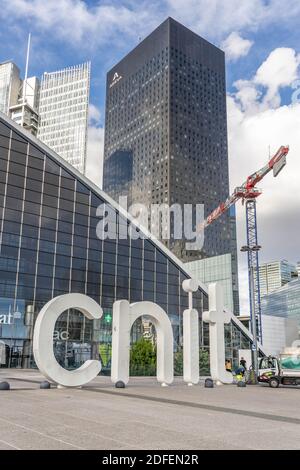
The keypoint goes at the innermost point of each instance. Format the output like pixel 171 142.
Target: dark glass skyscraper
pixel 166 103
pixel 119 174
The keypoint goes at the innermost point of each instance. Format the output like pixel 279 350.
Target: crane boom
pixel 247 190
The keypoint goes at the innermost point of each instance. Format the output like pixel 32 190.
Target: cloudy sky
pixel 261 39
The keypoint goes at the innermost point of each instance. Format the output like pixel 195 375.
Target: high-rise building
pixel 217 269
pixel 25 111
pixel 56 110
pixel 166 103
pixel 284 301
pixel 63 111
pixel 10 84
pixel 274 275
pixel 118 179
pixel 19 98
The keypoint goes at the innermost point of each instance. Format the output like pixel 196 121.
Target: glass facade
pixel 216 269
pixel 49 247
pixel 25 111
pixel 235 340
pixel 166 102
pixel 283 302
pixel 274 275
pixel 63 112
pixel 55 109
pixel 9 86
pixel 118 177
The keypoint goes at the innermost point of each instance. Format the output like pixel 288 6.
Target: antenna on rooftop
pixel 27 62
pixel 26 75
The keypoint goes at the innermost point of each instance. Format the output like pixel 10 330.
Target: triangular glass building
pixel 49 246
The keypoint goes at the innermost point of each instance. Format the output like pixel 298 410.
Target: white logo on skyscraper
pixel 116 79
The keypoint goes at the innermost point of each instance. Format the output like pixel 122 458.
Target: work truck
pixel 281 370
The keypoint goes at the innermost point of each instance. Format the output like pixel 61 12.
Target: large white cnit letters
pixel 124 315
pixel 43 340
pixel 217 317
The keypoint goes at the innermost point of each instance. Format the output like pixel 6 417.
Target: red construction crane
pixel 249 192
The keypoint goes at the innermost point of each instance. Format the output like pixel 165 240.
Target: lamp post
pixel 254 349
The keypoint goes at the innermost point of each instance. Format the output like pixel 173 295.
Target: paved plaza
pixel 146 416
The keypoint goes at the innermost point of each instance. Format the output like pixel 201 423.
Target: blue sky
pixel 72 31
pixel 261 39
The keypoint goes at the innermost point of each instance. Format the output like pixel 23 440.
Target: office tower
pixel 218 269
pixel 31 91
pixel 23 108
pixel 10 84
pixel 166 104
pixel 49 246
pixel 25 111
pixel 63 112
pixel 56 110
pixel 18 98
pixel 283 301
pixel 274 275
pixel 119 174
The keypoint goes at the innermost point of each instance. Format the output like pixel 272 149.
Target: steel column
pixel 253 265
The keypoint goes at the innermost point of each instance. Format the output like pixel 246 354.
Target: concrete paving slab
pixel 101 417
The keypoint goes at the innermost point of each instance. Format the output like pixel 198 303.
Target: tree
pixel 178 362
pixel 143 358
pixel 204 367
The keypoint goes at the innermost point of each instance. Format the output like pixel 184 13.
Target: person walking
pixel 243 363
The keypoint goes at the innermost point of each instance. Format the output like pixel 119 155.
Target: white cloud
pixel 79 23
pixel 94 163
pixel 247 95
pixel 216 18
pixel 94 115
pixel 280 69
pixel 216 15
pixel 90 24
pixel 254 128
pixel 235 46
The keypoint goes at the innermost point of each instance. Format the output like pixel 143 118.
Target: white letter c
pixel 43 340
